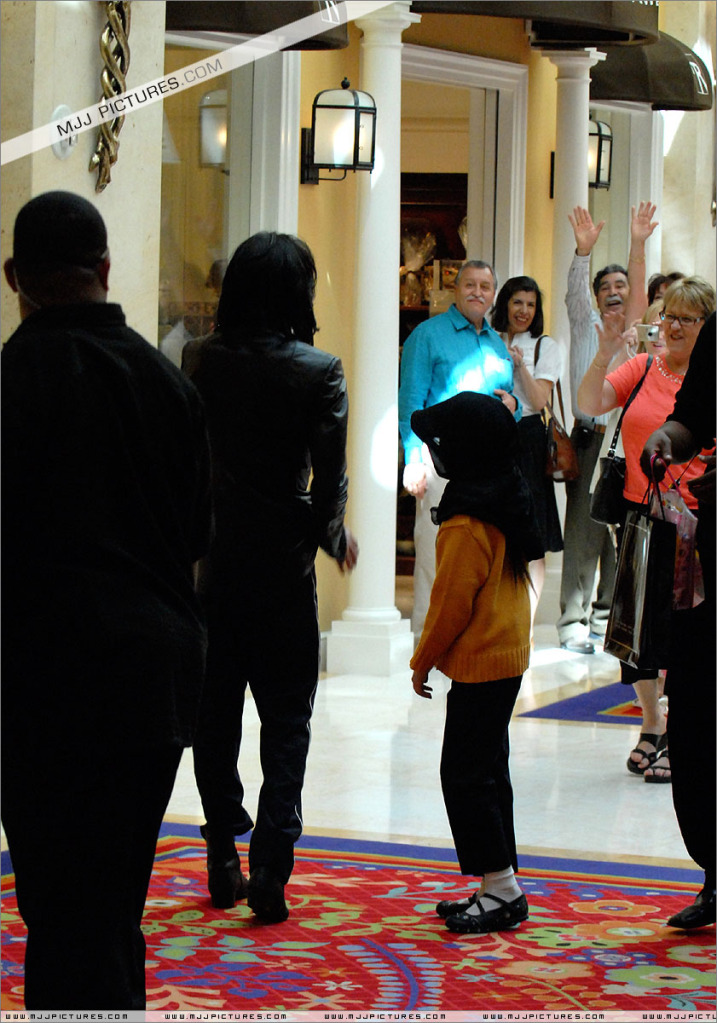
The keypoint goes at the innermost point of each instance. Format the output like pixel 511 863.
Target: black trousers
pixel 270 642
pixel 691 731
pixel 475 776
pixel 82 820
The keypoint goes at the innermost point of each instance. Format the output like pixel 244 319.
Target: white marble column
pixel 571 170
pixel 371 638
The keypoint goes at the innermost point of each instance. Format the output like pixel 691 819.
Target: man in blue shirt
pixel 453 352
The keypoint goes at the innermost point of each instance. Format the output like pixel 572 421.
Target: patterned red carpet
pixel 363 935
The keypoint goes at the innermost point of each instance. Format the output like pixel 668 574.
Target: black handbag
pixel 638 629
pixel 607 504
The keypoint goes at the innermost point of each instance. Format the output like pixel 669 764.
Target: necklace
pixel 676 378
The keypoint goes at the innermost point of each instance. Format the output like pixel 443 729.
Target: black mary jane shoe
pixel 448 908
pixel 265 896
pixel 505 917
pixel 700 914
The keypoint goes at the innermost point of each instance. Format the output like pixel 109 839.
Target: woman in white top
pixel 538 361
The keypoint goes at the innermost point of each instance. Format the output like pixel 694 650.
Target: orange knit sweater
pixel 478 623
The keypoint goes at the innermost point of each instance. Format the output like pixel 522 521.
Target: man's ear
pixel 9 268
pixel 103 273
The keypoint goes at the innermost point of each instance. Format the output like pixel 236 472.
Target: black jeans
pixel 475 776
pixel 270 642
pixel 82 822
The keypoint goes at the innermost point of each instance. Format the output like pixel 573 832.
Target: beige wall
pixel 538 241
pixel 500 38
pixel 688 237
pixel 434 128
pixel 50 56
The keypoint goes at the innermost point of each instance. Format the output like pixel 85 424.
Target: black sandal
pixel 658 741
pixel 660 779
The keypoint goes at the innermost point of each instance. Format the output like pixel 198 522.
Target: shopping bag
pixel 687 586
pixel 638 629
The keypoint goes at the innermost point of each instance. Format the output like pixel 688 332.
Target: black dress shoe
pixel 448 908
pixel 578 646
pixel 226 883
pixel 265 896
pixel 699 914
pixel 504 917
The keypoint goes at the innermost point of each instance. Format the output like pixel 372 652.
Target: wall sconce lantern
pixel 599 154
pixel 213 129
pixel 342 135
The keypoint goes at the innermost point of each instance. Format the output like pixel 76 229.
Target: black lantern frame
pixel 337 112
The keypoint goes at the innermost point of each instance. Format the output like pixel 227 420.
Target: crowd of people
pixel 477 584
pixel 160 532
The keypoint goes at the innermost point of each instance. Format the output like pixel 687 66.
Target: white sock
pixel 499 882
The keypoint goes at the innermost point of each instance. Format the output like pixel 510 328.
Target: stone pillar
pixel 571 172
pixel 371 638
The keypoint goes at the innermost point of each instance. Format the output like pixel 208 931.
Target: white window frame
pixel 496 184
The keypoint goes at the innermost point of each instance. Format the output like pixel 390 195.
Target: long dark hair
pixel 499 319
pixel 269 288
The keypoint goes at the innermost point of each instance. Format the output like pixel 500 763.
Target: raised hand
pixel 585 231
pixel 610 335
pixel 641 222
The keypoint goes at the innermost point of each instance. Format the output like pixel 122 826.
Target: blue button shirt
pixel 442 357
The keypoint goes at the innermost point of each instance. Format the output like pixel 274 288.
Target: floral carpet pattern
pixel 363 935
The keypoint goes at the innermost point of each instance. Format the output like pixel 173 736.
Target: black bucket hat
pixel 468 435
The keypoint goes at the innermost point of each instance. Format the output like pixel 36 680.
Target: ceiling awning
pixel 558 24
pixel 668 75
pixel 241 18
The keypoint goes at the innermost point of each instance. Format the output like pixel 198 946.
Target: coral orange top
pixel 652 405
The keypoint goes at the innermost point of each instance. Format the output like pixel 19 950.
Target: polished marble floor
pixel 373 765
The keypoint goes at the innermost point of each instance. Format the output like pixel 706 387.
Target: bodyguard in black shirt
pixel 106 508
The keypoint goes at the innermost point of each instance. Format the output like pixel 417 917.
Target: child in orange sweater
pixel 477 632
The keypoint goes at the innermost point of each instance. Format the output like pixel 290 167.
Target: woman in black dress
pixel 538 361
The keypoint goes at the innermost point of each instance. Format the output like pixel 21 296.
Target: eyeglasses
pixel 684 321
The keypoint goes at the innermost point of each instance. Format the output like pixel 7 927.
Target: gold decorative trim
pixel 114 47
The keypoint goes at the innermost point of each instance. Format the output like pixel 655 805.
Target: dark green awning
pixel 559 23
pixel 237 18
pixel 668 75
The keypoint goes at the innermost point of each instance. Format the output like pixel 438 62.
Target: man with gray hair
pixel 453 352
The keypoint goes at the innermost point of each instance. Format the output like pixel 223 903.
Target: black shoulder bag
pixel 607 504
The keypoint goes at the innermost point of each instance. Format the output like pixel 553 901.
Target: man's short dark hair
pixel 58 229
pixel 611 268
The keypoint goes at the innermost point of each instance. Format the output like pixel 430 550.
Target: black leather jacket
pixel 277 412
